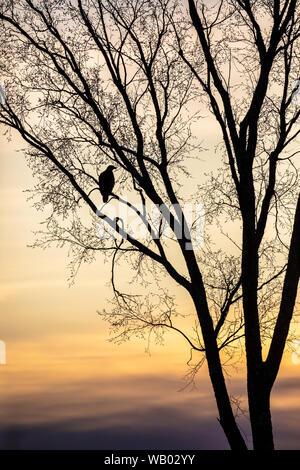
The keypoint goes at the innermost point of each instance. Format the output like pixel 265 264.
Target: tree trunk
pixel 260 415
pixel 227 419
pixel 257 378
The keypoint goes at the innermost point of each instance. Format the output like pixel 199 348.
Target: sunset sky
pixel 65 383
pixel 66 386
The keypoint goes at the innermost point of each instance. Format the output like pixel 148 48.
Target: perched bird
pixel 106 182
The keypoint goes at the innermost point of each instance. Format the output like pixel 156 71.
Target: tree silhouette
pixel 92 83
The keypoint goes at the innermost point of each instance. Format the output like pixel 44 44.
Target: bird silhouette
pixel 106 182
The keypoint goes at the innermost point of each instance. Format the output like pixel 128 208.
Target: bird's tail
pixel 105 198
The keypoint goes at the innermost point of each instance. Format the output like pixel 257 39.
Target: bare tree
pixel 117 82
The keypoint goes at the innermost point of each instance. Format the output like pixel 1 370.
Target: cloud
pixel 154 428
